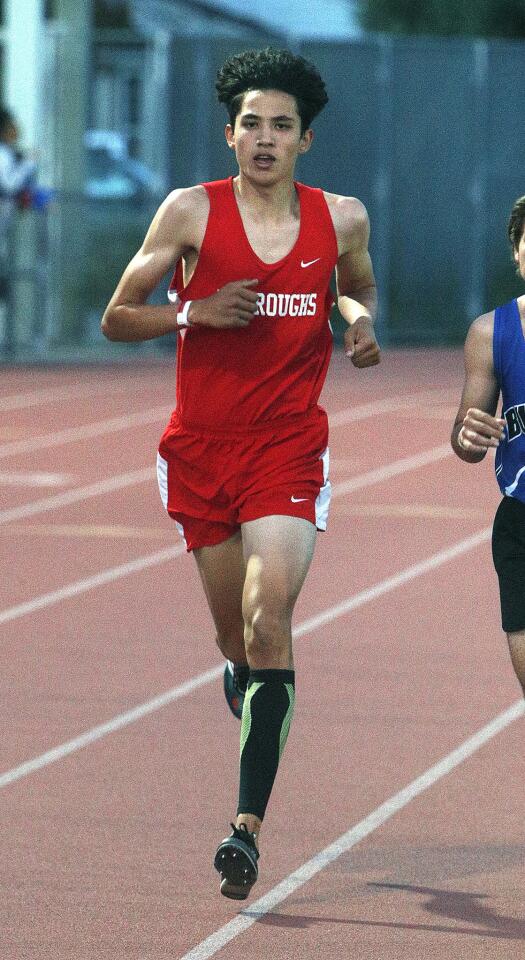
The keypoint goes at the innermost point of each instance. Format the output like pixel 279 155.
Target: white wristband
pixel 182 316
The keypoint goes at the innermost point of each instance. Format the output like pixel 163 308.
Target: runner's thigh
pixel 222 569
pixel 278 551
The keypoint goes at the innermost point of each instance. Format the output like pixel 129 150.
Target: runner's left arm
pixel 356 286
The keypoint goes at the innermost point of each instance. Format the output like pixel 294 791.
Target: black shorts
pixel 508 553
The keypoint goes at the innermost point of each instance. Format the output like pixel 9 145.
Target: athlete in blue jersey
pixel 494 366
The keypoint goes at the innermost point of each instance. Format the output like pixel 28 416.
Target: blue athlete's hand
pixel 480 431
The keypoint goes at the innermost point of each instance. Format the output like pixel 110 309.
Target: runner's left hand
pixel 361 344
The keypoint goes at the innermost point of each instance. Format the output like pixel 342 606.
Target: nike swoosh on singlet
pixel 309 262
pixel 298 499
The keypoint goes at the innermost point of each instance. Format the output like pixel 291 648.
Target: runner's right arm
pixel 476 429
pixel 176 229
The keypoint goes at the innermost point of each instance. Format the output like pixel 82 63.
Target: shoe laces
pixel 242 833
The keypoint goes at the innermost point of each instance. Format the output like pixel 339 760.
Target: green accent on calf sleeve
pixel 285 729
pixel 246 720
pixel 266 718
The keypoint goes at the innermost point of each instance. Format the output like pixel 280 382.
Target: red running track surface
pixel 113 801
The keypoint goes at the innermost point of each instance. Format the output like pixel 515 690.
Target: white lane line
pixel 394 469
pixel 101 487
pixel 86 432
pixel 326 616
pixel 76 495
pixel 117 482
pixel 117 723
pixel 404 511
pixel 209 947
pixel 103 427
pixel 100 387
pixel 90 583
pixel 389 405
pixel 72 496
pixel 18 401
pixel 37 478
pixel 105 531
pixel 391 583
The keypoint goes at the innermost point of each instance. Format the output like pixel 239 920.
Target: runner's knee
pixel 267 628
pixel 267 611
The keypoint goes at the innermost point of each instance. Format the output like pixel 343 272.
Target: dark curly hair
pixel 516 223
pixel 272 69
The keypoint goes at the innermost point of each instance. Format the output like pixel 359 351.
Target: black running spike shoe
pixel 235 683
pixel 236 861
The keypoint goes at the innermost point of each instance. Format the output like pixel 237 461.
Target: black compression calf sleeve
pixel 266 718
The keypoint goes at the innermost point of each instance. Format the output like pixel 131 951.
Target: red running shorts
pixel 211 484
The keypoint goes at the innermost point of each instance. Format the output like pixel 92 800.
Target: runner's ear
pixel 306 141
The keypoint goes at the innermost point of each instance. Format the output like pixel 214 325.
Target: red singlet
pixel 276 367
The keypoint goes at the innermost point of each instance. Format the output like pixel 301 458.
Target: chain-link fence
pixel 426 132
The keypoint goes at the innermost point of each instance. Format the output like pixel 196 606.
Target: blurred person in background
pixel 243 462
pixel 17 174
pixel 17 171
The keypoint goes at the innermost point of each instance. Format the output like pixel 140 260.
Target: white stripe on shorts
pixel 162 480
pixel 322 503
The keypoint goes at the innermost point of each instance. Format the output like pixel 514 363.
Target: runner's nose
pixel 265 139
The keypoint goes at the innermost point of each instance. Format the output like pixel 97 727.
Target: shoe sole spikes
pixel 237 870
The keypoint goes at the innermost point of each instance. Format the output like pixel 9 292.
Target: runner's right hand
pixel 480 431
pixel 234 305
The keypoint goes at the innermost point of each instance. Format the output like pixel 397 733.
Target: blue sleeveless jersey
pixel 509 367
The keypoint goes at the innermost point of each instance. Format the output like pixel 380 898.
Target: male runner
pixel 243 462
pixel 494 364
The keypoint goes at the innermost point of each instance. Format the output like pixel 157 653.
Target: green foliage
pixel 482 18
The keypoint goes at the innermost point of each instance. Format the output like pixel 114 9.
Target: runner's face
pixel 519 255
pixel 267 136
